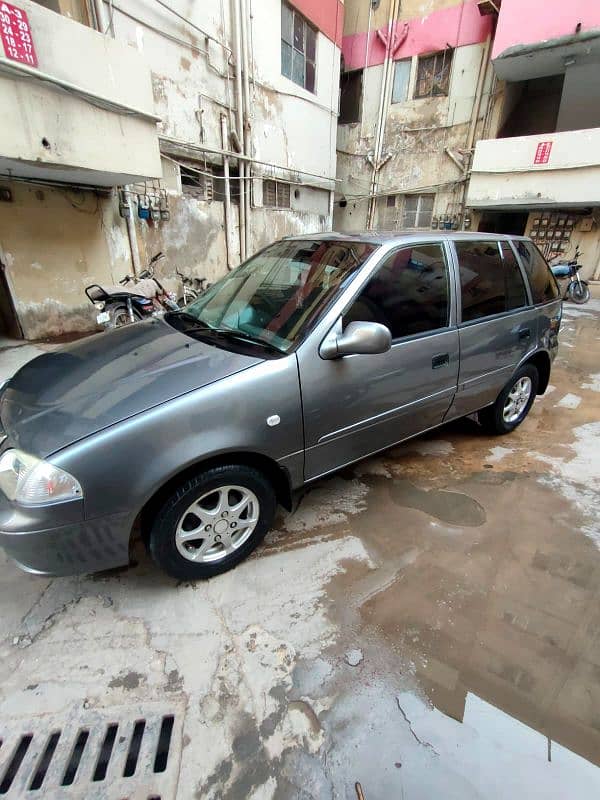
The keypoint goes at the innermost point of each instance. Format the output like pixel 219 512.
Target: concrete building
pixel 203 130
pixel 480 114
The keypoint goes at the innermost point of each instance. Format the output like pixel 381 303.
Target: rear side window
pixel 408 293
pixel 542 282
pixel 490 278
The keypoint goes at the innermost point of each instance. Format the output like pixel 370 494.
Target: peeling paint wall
pixel 54 243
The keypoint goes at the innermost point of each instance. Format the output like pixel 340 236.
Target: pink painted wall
pixel 530 21
pixel 326 15
pixel 456 26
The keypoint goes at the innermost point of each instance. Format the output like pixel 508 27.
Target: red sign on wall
pixel 542 153
pixel 16 35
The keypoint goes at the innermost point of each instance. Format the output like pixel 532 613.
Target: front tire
pixel 212 521
pixel 578 293
pixel 512 404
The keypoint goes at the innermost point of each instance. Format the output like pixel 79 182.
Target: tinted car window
pixel 490 279
pixel 408 293
pixel 542 282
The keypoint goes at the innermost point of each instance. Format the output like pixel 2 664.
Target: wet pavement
pixel 426 624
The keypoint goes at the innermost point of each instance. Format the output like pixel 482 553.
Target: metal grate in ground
pixel 125 753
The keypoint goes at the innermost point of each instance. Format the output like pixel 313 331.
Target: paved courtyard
pixel 426 624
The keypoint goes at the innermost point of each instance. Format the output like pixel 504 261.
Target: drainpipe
pixel 246 116
pixel 224 137
pixel 382 112
pixel 483 68
pixel 133 242
pixel 101 20
pixel 239 102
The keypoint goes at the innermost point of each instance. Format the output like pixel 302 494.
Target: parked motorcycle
pixel 138 300
pixel 192 288
pixel 577 290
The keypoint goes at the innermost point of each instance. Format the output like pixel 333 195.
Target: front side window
pixel 276 295
pixel 490 279
pixel 433 74
pixel 408 293
pixel 541 280
pixel 298 48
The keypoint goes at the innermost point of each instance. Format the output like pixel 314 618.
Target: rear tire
pixel 578 293
pixel 512 404
pixel 119 316
pixel 212 521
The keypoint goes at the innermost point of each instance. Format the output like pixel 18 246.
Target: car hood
pixel 64 396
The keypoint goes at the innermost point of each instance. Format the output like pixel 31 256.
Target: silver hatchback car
pixel 318 351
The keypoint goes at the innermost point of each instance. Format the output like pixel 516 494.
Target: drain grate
pixel 107 754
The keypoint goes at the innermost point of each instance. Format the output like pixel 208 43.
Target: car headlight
pixel 32 482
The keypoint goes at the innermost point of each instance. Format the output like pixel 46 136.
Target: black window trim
pixel 452 295
pixel 500 314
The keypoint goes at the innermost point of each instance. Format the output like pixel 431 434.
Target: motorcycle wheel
pixel 119 316
pixel 578 293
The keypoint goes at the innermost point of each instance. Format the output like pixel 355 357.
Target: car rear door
pixel 359 404
pixel 497 323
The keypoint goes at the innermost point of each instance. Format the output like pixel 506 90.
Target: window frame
pixel 458 286
pixel 306 24
pixel 277 205
pixel 528 288
pixel 408 61
pixel 402 209
pixel 452 289
pixel 435 55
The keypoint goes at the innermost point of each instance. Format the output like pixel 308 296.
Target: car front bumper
pixel 66 549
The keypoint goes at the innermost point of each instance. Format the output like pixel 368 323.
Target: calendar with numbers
pixel 15 34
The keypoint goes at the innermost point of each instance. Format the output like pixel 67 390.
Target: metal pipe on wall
pixel 227 187
pixel 246 117
pixel 382 111
pixel 237 54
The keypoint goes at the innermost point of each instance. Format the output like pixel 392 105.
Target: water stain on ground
pixel 455 508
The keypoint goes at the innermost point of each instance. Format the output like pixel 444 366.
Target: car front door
pixel 358 404
pixel 497 327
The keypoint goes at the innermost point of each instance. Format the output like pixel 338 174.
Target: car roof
pixel 389 237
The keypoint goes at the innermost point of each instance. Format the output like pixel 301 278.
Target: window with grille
pixel 298 48
pixel 433 74
pixel 197 184
pixel 276 194
pixel 408 211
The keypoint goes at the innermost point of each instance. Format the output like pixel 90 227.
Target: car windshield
pixel 273 297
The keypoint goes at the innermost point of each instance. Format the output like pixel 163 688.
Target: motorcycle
pixel 577 290
pixel 146 297
pixel 192 288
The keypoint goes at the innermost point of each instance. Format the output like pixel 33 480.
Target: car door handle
pixel 524 333
pixel 440 361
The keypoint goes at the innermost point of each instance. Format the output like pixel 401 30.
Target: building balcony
pixel 77 106
pixel 546 170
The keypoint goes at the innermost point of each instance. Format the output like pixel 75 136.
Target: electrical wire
pixel 193 25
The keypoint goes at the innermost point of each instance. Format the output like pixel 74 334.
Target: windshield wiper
pixel 246 337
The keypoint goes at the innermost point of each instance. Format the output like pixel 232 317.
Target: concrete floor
pixel 427 624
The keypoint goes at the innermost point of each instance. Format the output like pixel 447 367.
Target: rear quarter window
pixel 541 280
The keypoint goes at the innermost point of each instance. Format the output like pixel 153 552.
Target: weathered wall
pixel 417 134
pixel 54 243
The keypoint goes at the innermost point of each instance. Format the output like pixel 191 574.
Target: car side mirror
pixel 359 338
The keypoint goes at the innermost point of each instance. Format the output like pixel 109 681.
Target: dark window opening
pixel 531 107
pixel 408 293
pixel 433 74
pixel 351 88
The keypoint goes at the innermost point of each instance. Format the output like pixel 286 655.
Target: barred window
pixel 276 194
pixel 195 184
pixel 433 74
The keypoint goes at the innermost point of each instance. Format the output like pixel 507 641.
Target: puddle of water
pixel 454 508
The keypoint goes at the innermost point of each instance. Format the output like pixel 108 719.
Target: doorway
pixel 511 222
pixel 9 323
